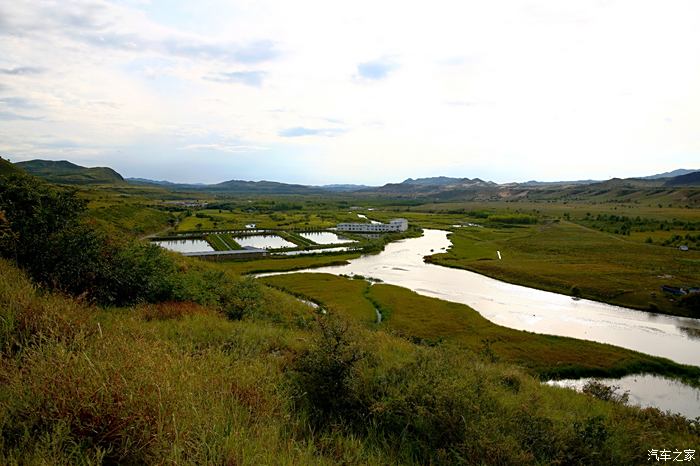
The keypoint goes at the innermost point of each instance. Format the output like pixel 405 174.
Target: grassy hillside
pixel 179 383
pixel 64 172
pixel 7 168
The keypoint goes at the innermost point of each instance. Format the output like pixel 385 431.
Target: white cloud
pixel 517 90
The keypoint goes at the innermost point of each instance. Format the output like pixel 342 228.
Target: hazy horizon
pixel 316 93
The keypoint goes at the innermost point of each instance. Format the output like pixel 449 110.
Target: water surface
pixel 264 241
pixel 185 245
pixel 649 390
pixel 325 237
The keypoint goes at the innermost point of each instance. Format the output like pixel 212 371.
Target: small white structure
pixel 683 248
pixel 397 224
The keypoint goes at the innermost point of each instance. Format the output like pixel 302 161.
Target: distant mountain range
pixel 673 174
pixel 439 188
pixel 689 179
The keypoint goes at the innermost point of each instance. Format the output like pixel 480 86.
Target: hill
pixel 65 172
pixel 7 168
pixel 690 179
pixel 232 187
pixel 260 187
pixel 671 174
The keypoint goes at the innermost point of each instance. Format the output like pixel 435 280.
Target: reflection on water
pixel 649 390
pixel 325 237
pixel 522 308
pixel 264 241
pixel 185 245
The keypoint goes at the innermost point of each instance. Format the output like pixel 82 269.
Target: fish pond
pixel 264 241
pixel 325 237
pixel 185 245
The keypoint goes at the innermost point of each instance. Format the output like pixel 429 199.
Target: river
pixel 401 263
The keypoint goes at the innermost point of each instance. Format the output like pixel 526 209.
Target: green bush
pixel 323 375
pixel 241 298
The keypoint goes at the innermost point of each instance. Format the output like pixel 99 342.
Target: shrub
pixel 241 298
pixel 323 375
pixel 599 390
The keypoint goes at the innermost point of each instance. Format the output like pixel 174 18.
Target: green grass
pixel 336 293
pixel 311 219
pixel 216 242
pixel 430 321
pixel 131 216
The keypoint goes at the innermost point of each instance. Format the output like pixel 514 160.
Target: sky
pixel 365 92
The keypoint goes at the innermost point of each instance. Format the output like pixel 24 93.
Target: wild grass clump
pixel 27 321
pixel 323 374
pixel 172 310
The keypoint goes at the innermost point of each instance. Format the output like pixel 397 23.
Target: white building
pixel 397 224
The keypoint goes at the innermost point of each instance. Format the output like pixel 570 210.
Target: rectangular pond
pixel 264 241
pixel 185 245
pixel 325 237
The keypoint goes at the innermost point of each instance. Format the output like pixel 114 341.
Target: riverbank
pixel 571 259
pixel 432 321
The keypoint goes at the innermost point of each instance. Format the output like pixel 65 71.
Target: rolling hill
pixel 8 168
pixel 690 179
pixel 64 172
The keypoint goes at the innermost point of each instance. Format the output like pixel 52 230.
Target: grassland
pixel 179 383
pixel 431 321
pixel 134 217
pixel 264 216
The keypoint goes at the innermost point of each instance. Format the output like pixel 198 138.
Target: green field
pixel 603 249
